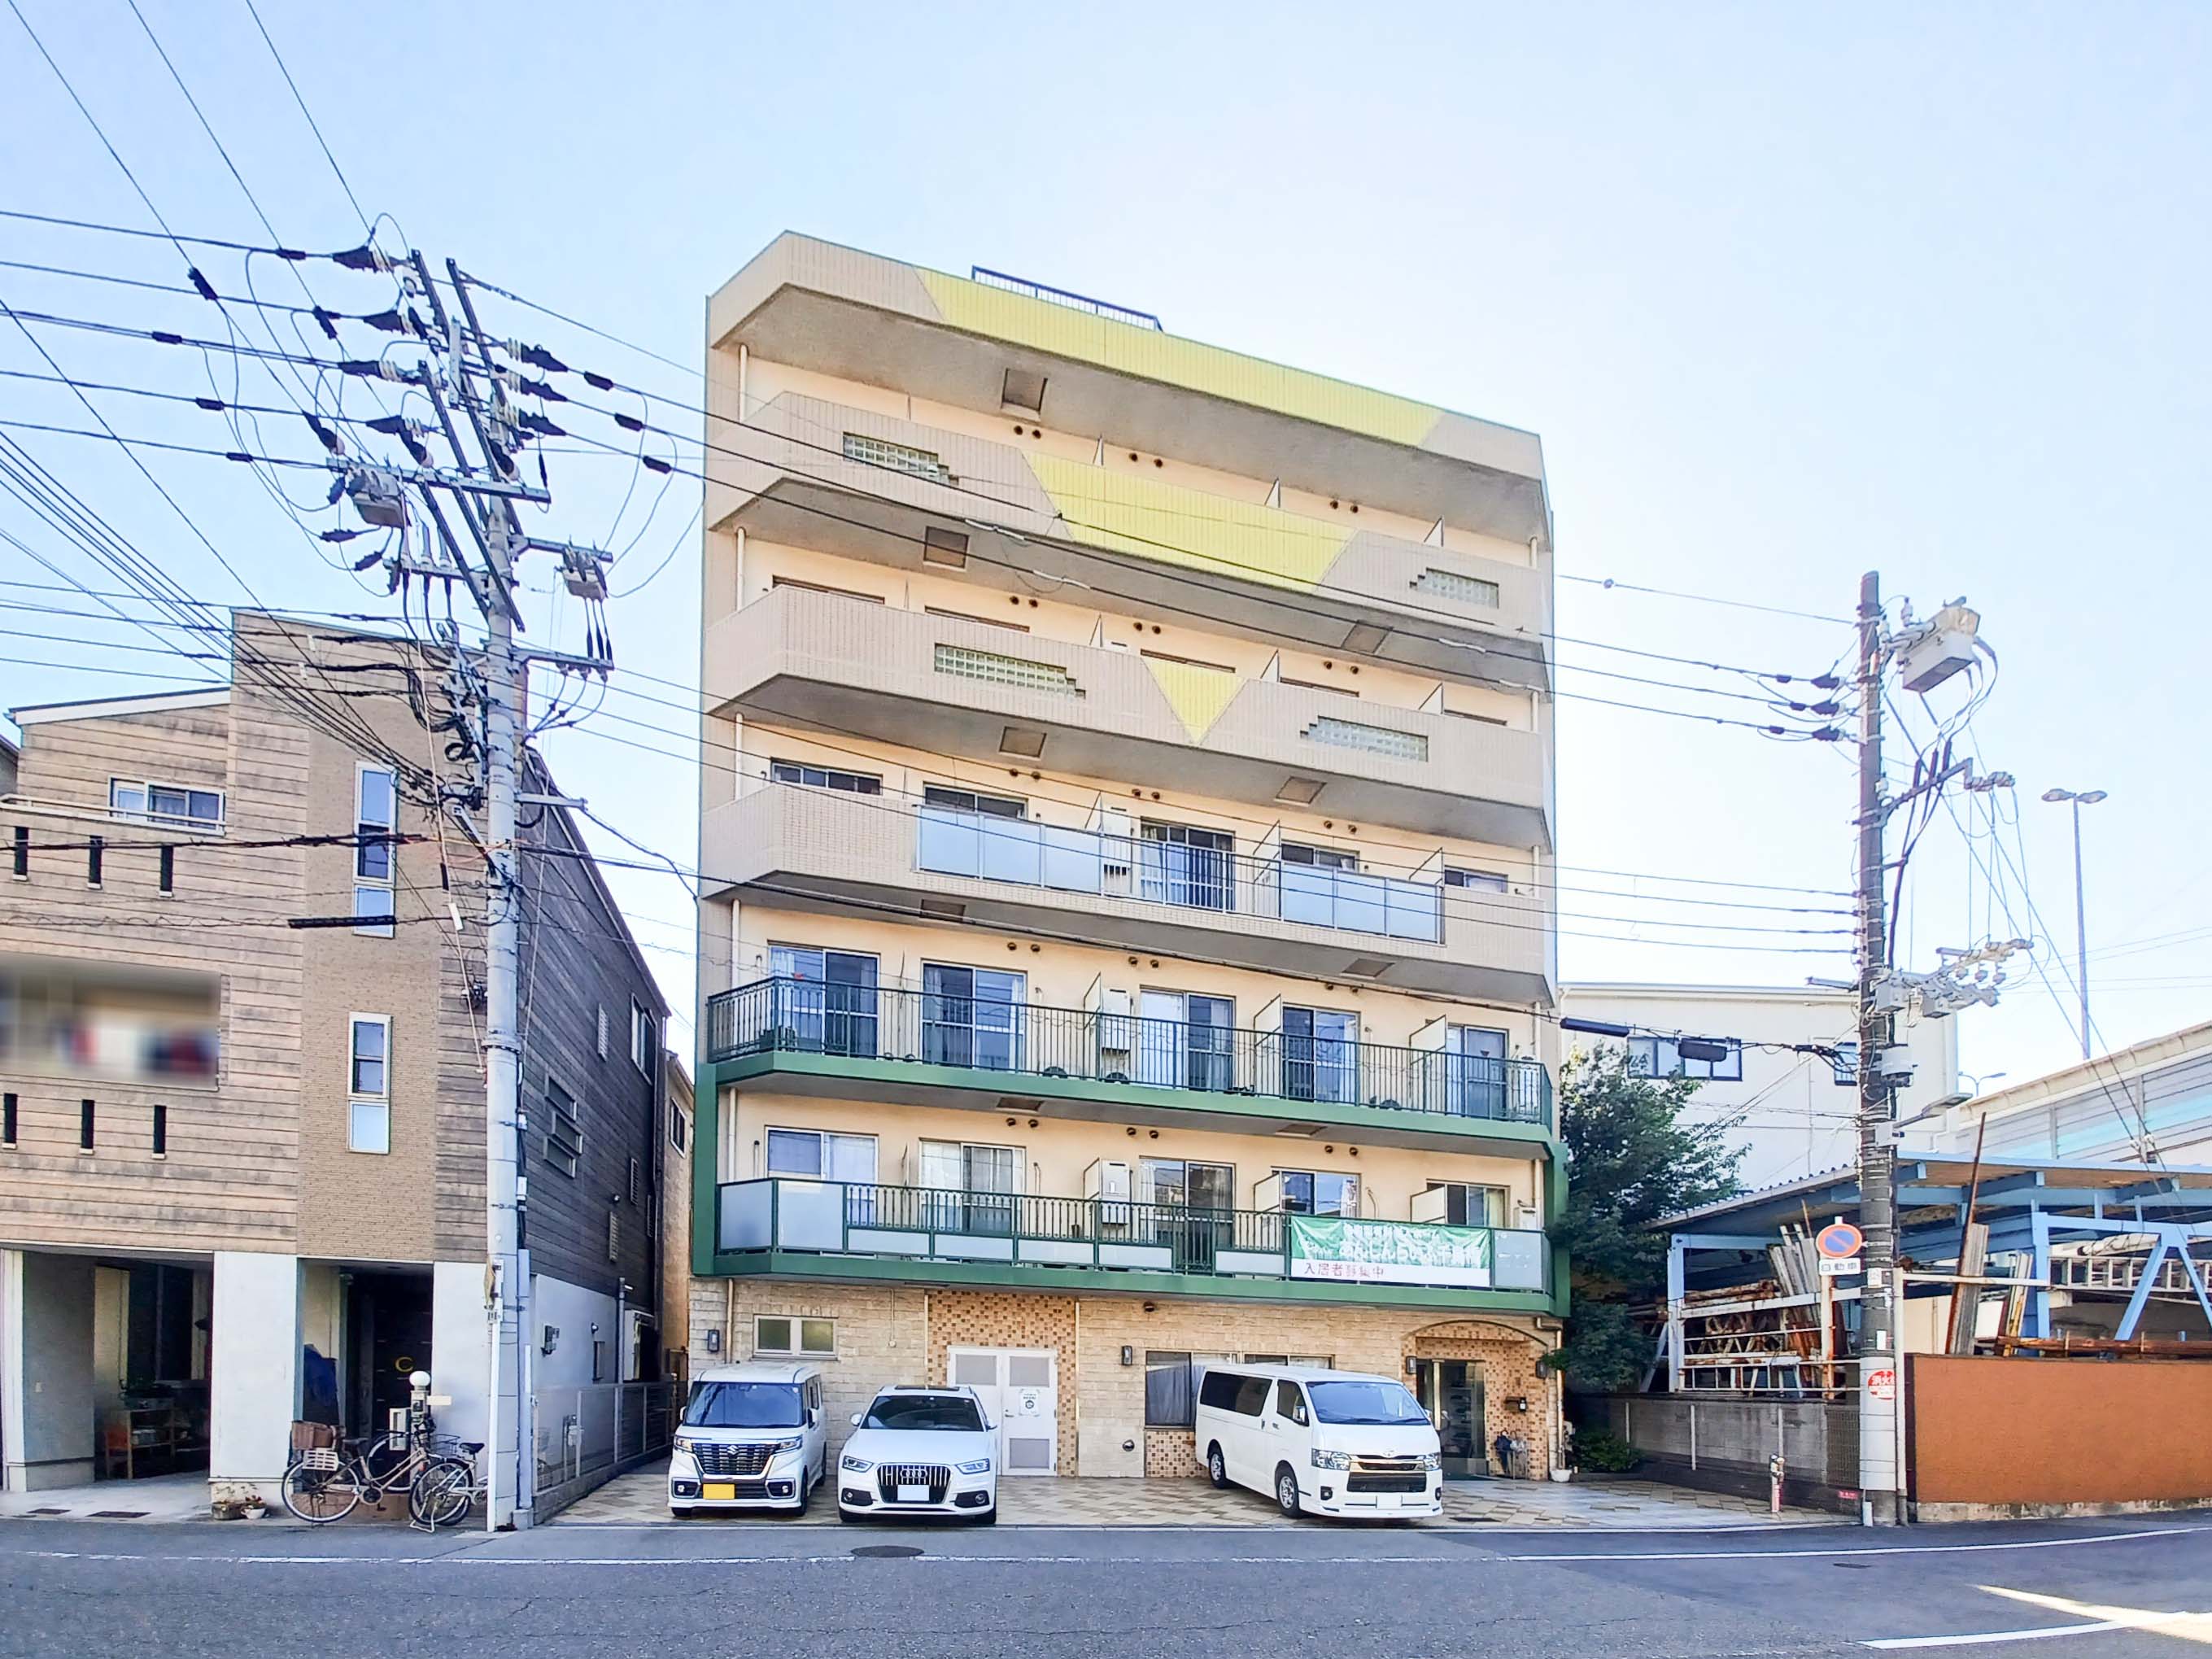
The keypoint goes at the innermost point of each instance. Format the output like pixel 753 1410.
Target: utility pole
pixel 1877 1482
pixel 2080 798
pixel 460 375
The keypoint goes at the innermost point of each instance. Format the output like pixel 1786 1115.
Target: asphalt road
pixel 69 1588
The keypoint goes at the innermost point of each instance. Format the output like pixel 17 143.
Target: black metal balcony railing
pixel 1022 850
pixel 931 1028
pixel 865 1218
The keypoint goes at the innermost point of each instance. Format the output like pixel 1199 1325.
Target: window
pixel 1845 1065
pixel 746 1406
pixel 21 867
pixel 826 777
pixel 1658 1056
pixel 368 1085
pixel 601 1044
pixel 644 1038
pixel 824 1001
pixel 85 1113
pixel 1182 864
pixel 1466 1205
pixel 598 1359
pixel 376 811
pixel 680 1128
pixel 165 802
pixel 898 458
pixel 161 1129
pixel 1290 1400
pixel 1320 1362
pixel 818 587
pixel 1489 881
pixel 1177 1183
pixel 973 1016
pixel 564 1130
pixel 632 1184
pixel 614 1234
pixel 791 1334
pixel 7 1120
pixel 817 1154
pixel 971 1188
pixel 969 663
pixel 1321 1054
pixel 1185 1041
pixel 980 622
pixel 1368 740
pixel 1320 858
pixel 1233 1391
pixel 1309 1192
pixel 967 800
pixel 1450 584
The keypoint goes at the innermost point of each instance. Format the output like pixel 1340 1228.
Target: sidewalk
pixel 1060 1501
pixel 159 1498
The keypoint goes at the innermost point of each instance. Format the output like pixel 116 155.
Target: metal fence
pixel 871 1219
pixel 587 1433
pixel 936 1028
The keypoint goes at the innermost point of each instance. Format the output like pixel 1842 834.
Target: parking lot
pixel 640 1497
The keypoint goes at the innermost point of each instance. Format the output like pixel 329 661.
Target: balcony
pixel 793 848
pixel 899 1043
pixel 928 1236
pixel 860 317
pixel 1163 551
pixel 804 659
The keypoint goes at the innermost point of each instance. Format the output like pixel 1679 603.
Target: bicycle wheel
pixel 441 1496
pixel 318 1489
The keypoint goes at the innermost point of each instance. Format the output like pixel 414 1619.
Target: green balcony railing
pixel 784 1213
pixel 929 1028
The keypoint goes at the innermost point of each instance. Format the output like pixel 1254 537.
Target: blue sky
pixel 1788 295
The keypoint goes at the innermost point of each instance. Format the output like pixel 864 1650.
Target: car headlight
pixel 980 1466
pixel 685 1443
pixel 1331 1460
pixel 1430 1460
pixel 776 1448
pixel 855 1465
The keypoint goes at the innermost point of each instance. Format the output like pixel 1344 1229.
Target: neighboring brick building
pixel 1127 926
pixel 243 1170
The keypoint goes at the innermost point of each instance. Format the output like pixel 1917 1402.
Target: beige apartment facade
pixel 1126 932
pixel 242 1147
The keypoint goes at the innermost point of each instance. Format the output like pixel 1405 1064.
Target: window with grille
pixel 973 664
pixel 1450 584
pixel 899 458
pixel 564 1130
pixel 1369 739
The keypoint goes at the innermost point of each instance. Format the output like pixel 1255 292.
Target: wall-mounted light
pixel 549 1340
pixel 713 1341
pixel 1128 1355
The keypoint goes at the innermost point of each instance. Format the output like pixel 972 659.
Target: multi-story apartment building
pixel 1126 929
pixel 242 1161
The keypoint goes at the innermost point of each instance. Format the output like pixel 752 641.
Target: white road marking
pixel 1878 1549
pixel 1994 1635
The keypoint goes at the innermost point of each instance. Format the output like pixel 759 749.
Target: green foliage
pixel 1601 1451
pixel 1631 1162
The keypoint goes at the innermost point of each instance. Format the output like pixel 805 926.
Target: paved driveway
pixel 641 1496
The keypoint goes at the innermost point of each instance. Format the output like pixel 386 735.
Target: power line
pixel 310 116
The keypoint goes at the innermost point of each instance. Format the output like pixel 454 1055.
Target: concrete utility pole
pixel 2080 798
pixel 459 373
pixel 1877 1482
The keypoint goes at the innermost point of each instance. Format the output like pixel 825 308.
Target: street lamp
pixel 2079 799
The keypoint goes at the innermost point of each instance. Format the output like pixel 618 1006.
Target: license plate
pixel 719 1493
pixel 914 1494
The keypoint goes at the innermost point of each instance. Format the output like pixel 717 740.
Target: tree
pixel 1631 1161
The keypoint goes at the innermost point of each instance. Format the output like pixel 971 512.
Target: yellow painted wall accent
pixel 1197 694
pixel 1152 356
pixel 1189 527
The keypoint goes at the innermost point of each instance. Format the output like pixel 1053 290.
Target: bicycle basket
pixel 320 1460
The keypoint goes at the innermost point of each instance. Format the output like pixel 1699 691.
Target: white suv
pixel 920 1451
pixel 752 1437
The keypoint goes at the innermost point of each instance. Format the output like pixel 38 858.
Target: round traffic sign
pixel 1839 1239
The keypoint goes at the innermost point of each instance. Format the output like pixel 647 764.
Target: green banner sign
pixel 1390 1252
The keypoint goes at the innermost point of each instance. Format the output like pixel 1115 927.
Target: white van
pixel 1330 1443
pixel 752 1437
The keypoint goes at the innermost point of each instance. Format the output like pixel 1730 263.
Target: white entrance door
pixel 1020 1391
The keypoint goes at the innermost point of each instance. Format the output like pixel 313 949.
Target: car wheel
pixel 1287 1492
pixel 682 1515
pixel 1217 1469
pixel 847 1517
pixel 805 1496
pixel 989 1518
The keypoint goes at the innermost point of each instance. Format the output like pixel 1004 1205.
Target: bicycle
pixel 323 1484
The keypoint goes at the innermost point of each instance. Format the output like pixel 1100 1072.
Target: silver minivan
pixel 753 1436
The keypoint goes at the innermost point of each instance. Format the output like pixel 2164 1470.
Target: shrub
pixel 1601 1451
